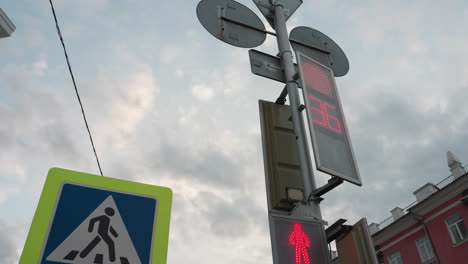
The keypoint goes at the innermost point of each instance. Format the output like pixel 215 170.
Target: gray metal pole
pixel 289 72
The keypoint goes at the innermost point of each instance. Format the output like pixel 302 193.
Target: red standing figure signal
pixel 300 241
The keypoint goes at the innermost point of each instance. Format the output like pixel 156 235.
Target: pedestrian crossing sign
pixel 90 219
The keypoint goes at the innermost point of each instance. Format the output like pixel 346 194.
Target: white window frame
pixel 449 228
pixel 424 244
pixel 395 260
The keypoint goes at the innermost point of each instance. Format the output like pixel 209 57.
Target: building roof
pixel 416 210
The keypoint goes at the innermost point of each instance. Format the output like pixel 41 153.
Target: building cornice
pixel 421 209
pixel 439 198
pixel 394 229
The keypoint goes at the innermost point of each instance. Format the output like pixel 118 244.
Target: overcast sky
pixel 170 105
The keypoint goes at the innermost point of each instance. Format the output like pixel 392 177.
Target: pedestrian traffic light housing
pixel 333 151
pixel 283 177
pixel 298 240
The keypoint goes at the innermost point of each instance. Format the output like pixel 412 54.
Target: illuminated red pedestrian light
pixel 298 241
pixel 301 242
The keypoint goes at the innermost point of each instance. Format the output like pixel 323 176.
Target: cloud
pixel 400 144
pixel 170 53
pixel 8 249
pixel 203 92
pixel 205 165
pixel 7 192
pixel 40 66
pixel 118 102
pixel 180 74
pixel 221 228
pixel 169 105
pixel 83 8
pixel 37 109
pixel 236 219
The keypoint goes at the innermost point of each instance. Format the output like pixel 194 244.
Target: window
pixel 425 249
pixel 395 258
pixel 456 228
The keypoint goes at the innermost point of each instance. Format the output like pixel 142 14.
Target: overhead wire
pixel 74 84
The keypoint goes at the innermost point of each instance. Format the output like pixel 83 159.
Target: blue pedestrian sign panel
pixel 94 229
pixel 83 218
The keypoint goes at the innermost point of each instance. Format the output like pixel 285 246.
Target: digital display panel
pixel 330 140
pixel 298 241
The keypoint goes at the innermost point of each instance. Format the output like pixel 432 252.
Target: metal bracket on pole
pixel 282 98
pixel 332 183
pixel 300 109
pixel 303 210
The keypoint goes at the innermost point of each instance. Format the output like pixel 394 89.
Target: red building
pixel 431 230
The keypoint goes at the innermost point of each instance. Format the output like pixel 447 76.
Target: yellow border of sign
pixel 55 178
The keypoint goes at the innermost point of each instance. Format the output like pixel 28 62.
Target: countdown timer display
pixel 330 140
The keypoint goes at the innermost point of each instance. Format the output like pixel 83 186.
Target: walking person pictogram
pixel 103 230
pixel 301 242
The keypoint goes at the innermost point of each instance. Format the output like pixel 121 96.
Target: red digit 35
pixel 325 120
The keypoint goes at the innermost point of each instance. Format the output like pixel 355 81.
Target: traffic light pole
pixel 292 88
